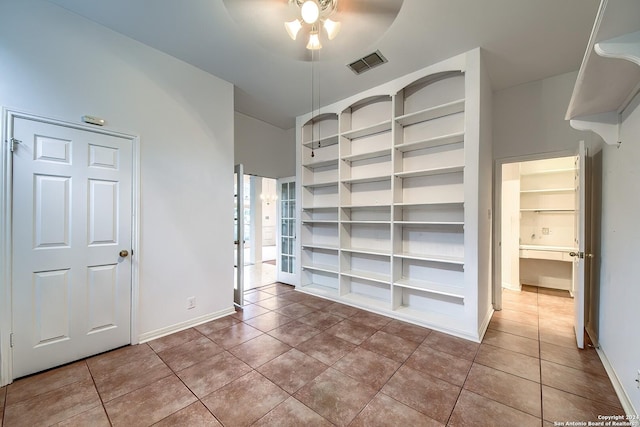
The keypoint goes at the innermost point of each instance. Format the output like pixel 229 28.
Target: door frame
pixel 497 217
pixel 6 219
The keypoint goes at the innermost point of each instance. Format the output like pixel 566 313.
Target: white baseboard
pixel 620 391
pixel 485 323
pixel 512 287
pixel 159 333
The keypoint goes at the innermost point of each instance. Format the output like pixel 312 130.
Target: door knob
pixel 124 253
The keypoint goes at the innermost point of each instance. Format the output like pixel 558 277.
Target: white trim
pixel 485 324
pixel 619 389
pixel 6 358
pixel 506 285
pixel 168 330
pixel 135 239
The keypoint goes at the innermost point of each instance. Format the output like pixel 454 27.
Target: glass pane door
pixel 286 262
pixel 238 235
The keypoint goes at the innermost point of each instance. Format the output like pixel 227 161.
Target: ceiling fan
pixel 360 23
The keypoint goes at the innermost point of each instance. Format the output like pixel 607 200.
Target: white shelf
pixel 366 222
pixel 609 75
pixel 364 180
pixel 320 164
pixel 319 221
pixel 427 172
pixel 368 302
pixel 368 275
pixel 549 210
pixel 366 206
pixel 367 251
pixel 431 113
pixel 547 171
pixel 428 223
pixel 321 247
pixel 321 290
pixel 446 323
pixel 407 205
pixel 321 267
pixel 324 141
pixel 368 155
pixel 321 184
pixel 433 258
pixel 431 287
pixel 313 208
pixel 549 190
pixel 439 141
pixel 368 130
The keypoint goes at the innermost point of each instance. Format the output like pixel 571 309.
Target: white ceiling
pixel 524 40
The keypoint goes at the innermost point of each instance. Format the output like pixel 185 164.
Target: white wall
pixel 485 193
pixel 56 64
pixel 620 271
pixel 529 118
pixel 263 149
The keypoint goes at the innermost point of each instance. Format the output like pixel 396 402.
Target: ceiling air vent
pixel 368 62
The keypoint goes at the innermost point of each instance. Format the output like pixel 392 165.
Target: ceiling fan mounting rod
pixel 327 7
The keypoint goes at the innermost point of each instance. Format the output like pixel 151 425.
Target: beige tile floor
pixel 290 359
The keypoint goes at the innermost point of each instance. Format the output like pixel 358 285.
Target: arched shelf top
pixel 321 117
pixel 374 99
pixel 367 116
pixel 431 97
pixel 432 78
pixel 320 131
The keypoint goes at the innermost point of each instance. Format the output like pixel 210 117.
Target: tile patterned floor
pixel 290 359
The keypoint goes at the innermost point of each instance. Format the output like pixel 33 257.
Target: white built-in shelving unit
pixel 391 193
pixel 548 222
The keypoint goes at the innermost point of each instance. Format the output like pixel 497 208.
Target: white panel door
pixel 72 215
pixel 286 240
pixel 583 255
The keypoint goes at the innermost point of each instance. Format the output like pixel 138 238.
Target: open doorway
pixel 258 211
pixel 540 280
pixel 539 224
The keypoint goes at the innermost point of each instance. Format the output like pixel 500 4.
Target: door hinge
pixel 11 340
pixel 13 143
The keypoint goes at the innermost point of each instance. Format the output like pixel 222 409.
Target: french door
pixel 286 262
pixel 238 286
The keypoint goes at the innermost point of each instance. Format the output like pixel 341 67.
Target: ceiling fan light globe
pixel 310 11
pixel 332 28
pixel 293 27
pixel 314 41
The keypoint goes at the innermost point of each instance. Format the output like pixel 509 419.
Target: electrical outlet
pixel 545 231
pixel 191 303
